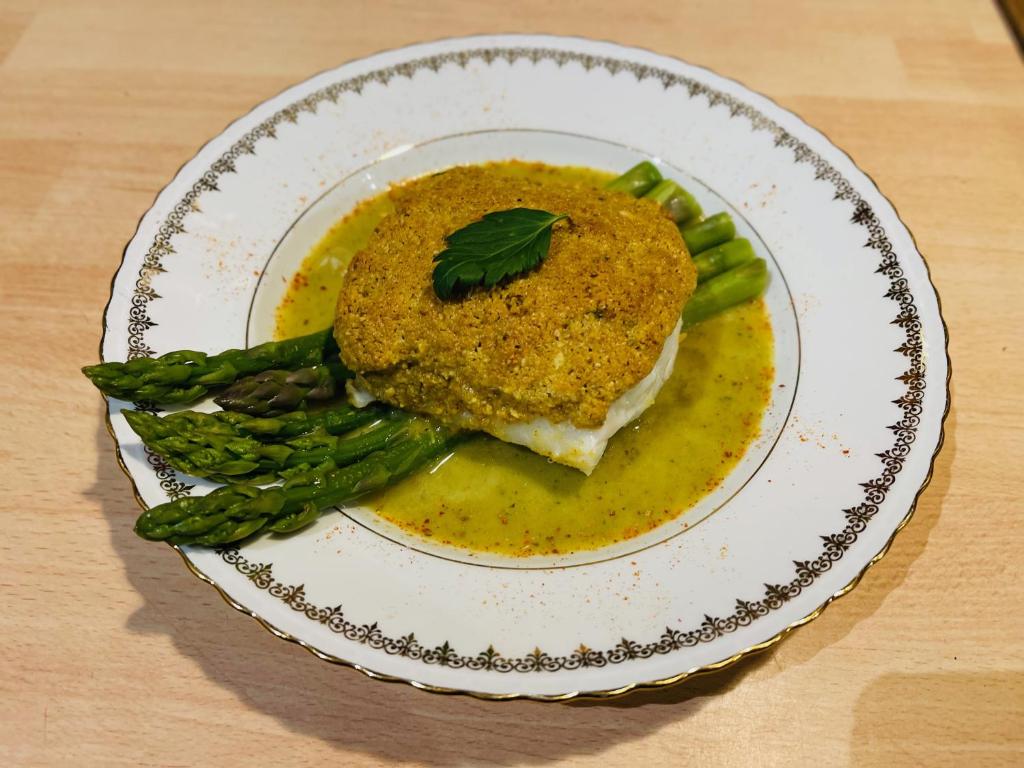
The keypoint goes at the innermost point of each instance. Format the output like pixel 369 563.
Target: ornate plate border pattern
pixel 834 545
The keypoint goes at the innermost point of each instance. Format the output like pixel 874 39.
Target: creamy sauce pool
pixel 495 497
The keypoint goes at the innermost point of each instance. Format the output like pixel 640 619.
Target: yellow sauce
pixel 495 497
pixel 308 305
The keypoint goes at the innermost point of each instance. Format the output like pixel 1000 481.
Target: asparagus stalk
pixel 637 180
pixel 236 512
pixel 186 375
pixel 335 419
pixel 726 290
pixel 722 258
pixel 212 448
pixel 273 392
pixel 709 232
pixel 680 204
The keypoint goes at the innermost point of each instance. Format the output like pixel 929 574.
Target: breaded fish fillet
pixel 561 344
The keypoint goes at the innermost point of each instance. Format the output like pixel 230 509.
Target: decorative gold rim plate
pixel 233 202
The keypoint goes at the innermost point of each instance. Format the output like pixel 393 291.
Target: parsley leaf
pixel 501 244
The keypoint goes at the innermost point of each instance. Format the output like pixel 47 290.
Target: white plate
pixel 847 444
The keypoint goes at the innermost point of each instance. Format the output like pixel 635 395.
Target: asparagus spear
pixel 709 232
pixel 722 258
pixel 680 204
pixel 637 180
pixel 726 290
pixel 273 392
pixel 335 419
pixel 211 448
pixel 238 511
pixel 186 375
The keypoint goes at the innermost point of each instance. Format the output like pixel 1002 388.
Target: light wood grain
pixel 112 654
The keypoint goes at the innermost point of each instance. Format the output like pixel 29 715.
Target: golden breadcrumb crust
pixel 562 343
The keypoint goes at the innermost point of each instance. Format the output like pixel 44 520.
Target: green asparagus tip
pixel 185 375
pixel 274 392
pixel 235 512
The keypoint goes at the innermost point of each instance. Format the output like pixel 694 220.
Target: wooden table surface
pixel 112 654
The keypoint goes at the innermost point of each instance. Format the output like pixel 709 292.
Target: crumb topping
pixel 563 342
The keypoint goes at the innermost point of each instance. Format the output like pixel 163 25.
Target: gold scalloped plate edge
pixel 596 695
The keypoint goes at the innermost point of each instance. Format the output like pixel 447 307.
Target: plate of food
pixel 524 366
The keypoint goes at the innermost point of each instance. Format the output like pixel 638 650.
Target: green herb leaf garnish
pixel 501 244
